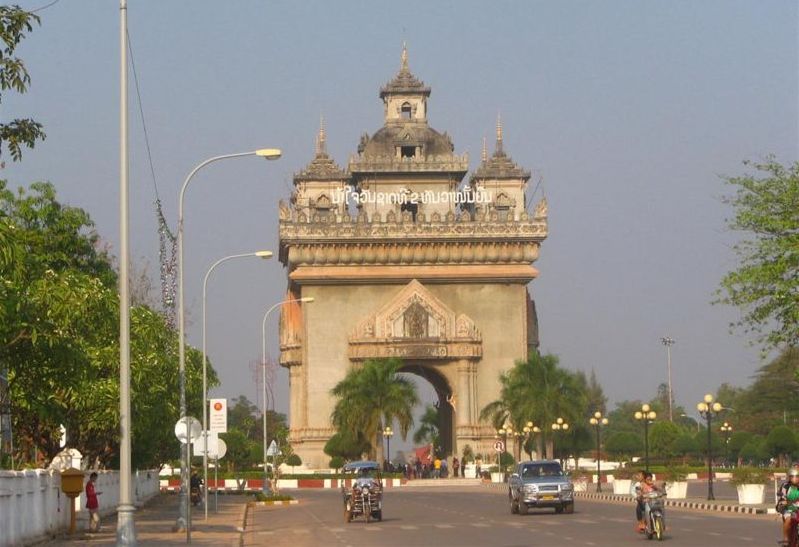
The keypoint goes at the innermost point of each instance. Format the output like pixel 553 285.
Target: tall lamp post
pixel 260 254
pixel 126 527
pixel 559 425
pixel 304 300
pixel 707 408
pixel 668 342
pixel 598 421
pixel 529 429
pixel 185 510
pixel 387 434
pixel 646 415
pixel 726 430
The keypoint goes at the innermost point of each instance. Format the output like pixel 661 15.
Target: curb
pixel 704 506
pixel 266 503
pixel 243 527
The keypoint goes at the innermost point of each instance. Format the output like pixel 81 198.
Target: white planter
pixel 677 490
pixel 496 477
pixel 622 486
pixel 751 494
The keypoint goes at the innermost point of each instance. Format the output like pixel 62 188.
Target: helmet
pixel 793 472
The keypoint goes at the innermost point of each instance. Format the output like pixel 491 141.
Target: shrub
pixel 624 473
pixel 336 462
pixel 749 475
pixel 676 474
pixel 260 496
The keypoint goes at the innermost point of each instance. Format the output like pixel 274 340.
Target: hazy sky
pixel 629 111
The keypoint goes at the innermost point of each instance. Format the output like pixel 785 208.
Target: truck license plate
pixel 547 497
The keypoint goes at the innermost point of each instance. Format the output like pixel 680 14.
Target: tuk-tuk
pixel 364 496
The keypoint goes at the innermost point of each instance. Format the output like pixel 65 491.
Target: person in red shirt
pixel 92 504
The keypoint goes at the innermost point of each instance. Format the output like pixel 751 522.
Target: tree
pixel 538 390
pixel 15 23
pixel 662 438
pixel 336 462
pixel 293 460
pixel 373 395
pixel 754 452
pixel 623 445
pixel 241 451
pixel 781 443
pixel 766 284
pixel 346 446
pixel 685 446
pixel 737 441
pixel 428 431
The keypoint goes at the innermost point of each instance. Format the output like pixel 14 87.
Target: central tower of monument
pixel 404 259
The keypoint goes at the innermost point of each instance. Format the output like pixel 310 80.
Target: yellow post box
pixel 72 486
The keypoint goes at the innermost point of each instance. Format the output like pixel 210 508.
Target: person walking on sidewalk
pixel 92 504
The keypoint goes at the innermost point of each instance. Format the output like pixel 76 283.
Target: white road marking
pixel 444 526
pixel 409 527
pixel 480 525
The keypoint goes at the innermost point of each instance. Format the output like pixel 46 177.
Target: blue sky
pixel 629 111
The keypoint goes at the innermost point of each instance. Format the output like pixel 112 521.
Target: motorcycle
pixel 365 495
pixel 196 495
pixel 793 535
pixel 655 523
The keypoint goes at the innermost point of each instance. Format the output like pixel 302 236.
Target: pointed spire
pixel 484 155
pixel 498 150
pixel 321 139
pixel 404 58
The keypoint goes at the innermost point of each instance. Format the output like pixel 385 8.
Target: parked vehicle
pixel 364 496
pixel 540 483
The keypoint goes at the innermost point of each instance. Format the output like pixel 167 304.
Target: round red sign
pixel 217 406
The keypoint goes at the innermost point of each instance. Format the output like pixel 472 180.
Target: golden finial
pixel 404 58
pixel 321 138
pixel 499 134
pixel 484 155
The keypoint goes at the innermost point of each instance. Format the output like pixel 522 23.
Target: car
pixel 364 495
pixel 540 483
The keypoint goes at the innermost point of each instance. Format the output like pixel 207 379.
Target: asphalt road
pixel 466 516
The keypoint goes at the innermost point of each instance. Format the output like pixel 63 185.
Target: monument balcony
pixel 422 164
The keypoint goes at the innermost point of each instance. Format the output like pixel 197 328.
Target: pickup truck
pixel 540 483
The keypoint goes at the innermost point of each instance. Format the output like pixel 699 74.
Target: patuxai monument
pixel 404 260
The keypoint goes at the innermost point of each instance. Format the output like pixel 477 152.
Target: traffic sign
pixel 217 418
pixel 273 450
pixel 499 446
pixel 221 450
pixel 213 438
pixel 188 429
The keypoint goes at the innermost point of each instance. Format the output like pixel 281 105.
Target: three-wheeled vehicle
pixel 364 495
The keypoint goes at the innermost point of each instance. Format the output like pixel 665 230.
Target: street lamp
pixel 726 429
pixel 668 342
pixel 598 421
pixel 647 415
pixel 503 432
pixel 306 300
pixel 559 425
pixel 387 434
pixel 260 254
pixel 185 509
pixel 707 408
pixel 529 429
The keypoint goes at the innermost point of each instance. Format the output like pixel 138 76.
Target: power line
pixel 51 4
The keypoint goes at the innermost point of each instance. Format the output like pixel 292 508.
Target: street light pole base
pixel 126 527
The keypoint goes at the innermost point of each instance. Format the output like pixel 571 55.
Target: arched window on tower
pixel 406 111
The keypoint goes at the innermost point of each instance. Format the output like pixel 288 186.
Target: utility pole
pixel 668 342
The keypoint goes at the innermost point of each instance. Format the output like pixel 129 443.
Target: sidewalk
pixel 155 520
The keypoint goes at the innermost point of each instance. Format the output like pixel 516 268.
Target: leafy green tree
pixel 336 462
pixel 662 438
pixel 765 286
pixel 781 443
pixel 294 460
pixel 15 24
pixel 623 445
pixel 685 446
pixel 240 450
pixel 738 440
pixel 754 452
pixel 347 446
pixel 372 395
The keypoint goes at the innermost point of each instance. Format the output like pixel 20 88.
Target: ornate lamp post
pixel 668 342
pixel 529 429
pixel 707 409
pixel 503 432
pixel 647 415
pixel 387 434
pixel 559 425
pixel 726 430
pixel 598 421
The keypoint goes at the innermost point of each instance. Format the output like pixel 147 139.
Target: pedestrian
pixel 444 469
pixel 436 468
pixel 455 466
pixel 418 464
pixel 478 470
pixel 463 468
pixel 92 504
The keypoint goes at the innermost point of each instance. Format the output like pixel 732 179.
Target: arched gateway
pixel 403 262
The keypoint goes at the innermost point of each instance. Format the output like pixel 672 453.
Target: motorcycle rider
pixel 788 502
pixel 196 484
pixel 647 487
pixel 639 500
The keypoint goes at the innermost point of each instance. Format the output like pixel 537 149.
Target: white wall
pixel 33 507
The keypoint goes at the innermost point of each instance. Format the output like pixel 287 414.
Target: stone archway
pixel 434 342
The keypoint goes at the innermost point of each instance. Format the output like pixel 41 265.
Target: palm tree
pixel 428 431
pixel 372 396
pixel 537 389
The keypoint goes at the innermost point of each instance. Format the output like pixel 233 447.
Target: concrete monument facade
pixel 405 260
